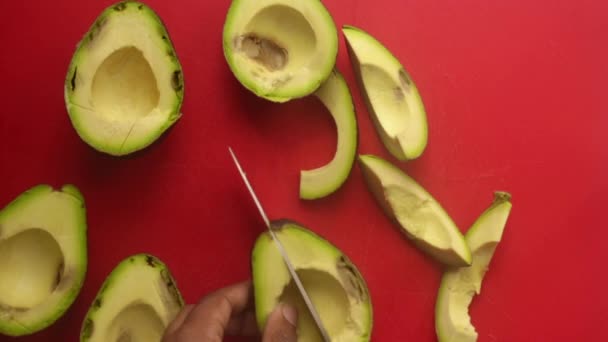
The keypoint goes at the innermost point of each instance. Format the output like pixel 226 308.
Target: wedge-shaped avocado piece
pixel 325 180
pixel 415 211
pixel 124 87
pixel 334 284
pixel 280 49
pixel 136 303
pixel 390 94
pixel 43 257
pixel 459 285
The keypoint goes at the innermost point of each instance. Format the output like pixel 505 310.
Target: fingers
pixel 244 324
pixel 178 320
pixel 281 325
pixel 215 315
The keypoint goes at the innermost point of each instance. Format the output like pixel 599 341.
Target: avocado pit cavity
pixel 277 37
pixel 328 296
pixel 136 322
pixel 31 268
pixel 264 51
pixel 124 86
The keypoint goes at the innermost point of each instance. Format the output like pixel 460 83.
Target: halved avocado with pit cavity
pixel 136 303
pixel 390 94
pixel 280 49
pixel 124 85
pixel 43 257
pixel 325 180
pixel 335 285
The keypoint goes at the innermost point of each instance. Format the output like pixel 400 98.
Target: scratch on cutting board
pixel 365 252
pixel 498 307
pixel 492 173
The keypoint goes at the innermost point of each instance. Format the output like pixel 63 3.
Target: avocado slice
pixel 415 211
pixel 333 282
pixel 43 257
pixel 459 285
pixel 390 94
pixel 136 302
pixel 323 181
pixel 280 50
pixel 124 85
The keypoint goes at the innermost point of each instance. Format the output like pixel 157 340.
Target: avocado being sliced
pixel 323 181
pixel 336 287
pixel 124 87
pixel 416 212
pixel 43 257
pixel 390 94
pixel 136 303
pixel 280 49
pixel 459 285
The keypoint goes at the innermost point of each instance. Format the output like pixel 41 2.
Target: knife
pixel 294 275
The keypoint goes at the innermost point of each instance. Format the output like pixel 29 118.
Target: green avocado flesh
pixel 459 285
pixel 417 213
pixel 323 181
pixel 336 287
pixel 124 85
pixel 280 49
pixel 43 257
pixel 136 303
pixel 390 94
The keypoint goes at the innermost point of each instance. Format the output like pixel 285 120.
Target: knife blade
pixel 313 311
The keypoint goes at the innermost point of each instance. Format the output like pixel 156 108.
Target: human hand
pixel 230 311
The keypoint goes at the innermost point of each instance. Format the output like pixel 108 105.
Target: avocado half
pixel 325 180
pixel 124 85
pixel 390 94
pixel 136 303
pixel 459 285
pixel 333 282
pixel 280 49
pixel 420 217
pixel 43 257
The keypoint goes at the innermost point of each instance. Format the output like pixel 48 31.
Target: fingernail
pixel 290 314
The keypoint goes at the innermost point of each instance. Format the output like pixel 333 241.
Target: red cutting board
pixel 515 95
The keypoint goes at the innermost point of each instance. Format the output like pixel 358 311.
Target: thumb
pixel 281 325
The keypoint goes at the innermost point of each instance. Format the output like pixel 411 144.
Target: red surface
pixel 515 98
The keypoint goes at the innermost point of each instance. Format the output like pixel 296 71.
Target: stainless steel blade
pixel 294 275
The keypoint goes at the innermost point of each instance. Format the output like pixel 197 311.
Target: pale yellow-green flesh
pixel 143 322
pixel 30 265
pixel 459 285
pixel 327 295
pixel 135 306
pixel 346 316
pixel 322 181
pixel 396 105
pixel 302 29
pixel 42 256
pixel 417 212
pixel 123 92
pixel 124 86
pixel 418 215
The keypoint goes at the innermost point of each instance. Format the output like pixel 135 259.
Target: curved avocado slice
pixel 43 257
pixel 417 213
pixel 459 285
pixel 390 94
pixel 136 302
pixel 323 181
pixel 335 285
pixel 280 50
pixel 124 85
